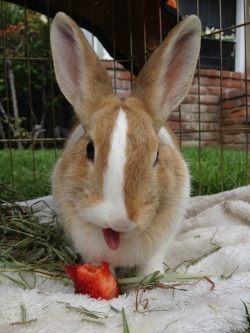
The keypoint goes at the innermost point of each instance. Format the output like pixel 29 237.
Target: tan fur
pixel 155 190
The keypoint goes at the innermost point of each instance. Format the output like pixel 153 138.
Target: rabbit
pixel 121 186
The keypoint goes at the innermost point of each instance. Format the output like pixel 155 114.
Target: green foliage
pixel 25 48
pixel 25 33
pixel 12 13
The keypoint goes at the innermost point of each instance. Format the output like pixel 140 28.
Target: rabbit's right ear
pixel 80 74
pixel 165 79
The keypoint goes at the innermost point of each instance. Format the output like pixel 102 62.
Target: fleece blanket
pixel 214 239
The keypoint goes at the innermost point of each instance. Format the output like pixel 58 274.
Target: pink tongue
pixel 112 238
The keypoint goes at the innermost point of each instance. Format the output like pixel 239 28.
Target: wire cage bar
pixel 212 123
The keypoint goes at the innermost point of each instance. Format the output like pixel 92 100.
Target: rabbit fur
pixel 121 186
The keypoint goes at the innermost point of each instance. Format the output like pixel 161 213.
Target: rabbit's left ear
pixel 80 74
pixel 166 78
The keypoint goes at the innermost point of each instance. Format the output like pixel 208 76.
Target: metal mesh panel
pixel 35 117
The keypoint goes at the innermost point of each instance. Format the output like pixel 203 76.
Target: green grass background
pixel 27 172
pixel 212 170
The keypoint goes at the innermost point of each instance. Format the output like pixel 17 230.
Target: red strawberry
pixel 96 281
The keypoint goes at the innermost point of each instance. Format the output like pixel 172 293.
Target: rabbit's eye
pixel 90 150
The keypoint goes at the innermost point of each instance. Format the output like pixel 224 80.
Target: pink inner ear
pixel 177 72
pixel 70 56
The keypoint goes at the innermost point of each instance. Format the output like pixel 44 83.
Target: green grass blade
pixel 124 322
pixel 247 313
pixel 96 322
pixel 23 313
pixel 157 277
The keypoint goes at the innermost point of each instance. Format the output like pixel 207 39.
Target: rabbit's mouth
pixel 112 238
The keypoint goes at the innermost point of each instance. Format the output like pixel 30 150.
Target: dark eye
pixel 90 150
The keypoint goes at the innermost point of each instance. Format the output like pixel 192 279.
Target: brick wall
pixel 215 111
pixel 121 78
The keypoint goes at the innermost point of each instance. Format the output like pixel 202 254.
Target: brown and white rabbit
pixel 121 186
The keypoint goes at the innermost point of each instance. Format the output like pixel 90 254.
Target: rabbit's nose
pixel 121 225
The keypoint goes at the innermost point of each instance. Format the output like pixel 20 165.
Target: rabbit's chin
pixel 96 244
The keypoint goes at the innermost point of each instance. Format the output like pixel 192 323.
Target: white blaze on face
pixel 111 212
pixel 114 175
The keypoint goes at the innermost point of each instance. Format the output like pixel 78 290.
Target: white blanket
pixel 214 239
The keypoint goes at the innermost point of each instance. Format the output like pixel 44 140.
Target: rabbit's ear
pixel 166 78
pixel 80 74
